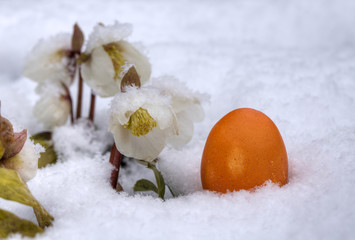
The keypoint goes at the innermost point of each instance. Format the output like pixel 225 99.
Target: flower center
pixel 140 123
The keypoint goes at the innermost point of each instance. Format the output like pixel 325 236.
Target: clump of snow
pixel 80 140
pixel 104 34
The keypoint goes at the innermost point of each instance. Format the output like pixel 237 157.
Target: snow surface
pixel 294 60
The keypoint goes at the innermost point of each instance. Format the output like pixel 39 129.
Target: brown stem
pixel 115 160
pixel 68 97
pixel 92 107
pixel 80 94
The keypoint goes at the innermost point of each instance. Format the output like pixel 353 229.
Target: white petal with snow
pixel 52 110
pixel 98 73
pixel 102 35
pixel 25 162
pixel 48 60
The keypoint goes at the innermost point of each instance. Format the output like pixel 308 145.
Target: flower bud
pixel 52 109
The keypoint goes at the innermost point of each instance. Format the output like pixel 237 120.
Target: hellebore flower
pixel 141 120
pixel 51 60
pixel 17 152
pixel 186 105
pixel 53 108
pixel 25 162
pixel 110 57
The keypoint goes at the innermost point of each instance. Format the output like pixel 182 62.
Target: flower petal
pixel 102 35
pixel 186 129
pixel 52 110
pixel 98 73
pixel 146 147
pixel 164 116
pixel 25 163
pixel 48 60
pixel 195 112
pixel 123 105
pixel 136 58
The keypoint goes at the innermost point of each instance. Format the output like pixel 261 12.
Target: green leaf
pixel 145 185
pixel 47 136
pixel 171 191
pixel 49 156
pixel 10 223
pixel 14 189
pixel 159 179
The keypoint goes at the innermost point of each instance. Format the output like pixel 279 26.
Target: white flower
pixel 110 57
pixel 53 108
pixel 25 162
pixel 140 121
pixel 186 105
pixel 50 60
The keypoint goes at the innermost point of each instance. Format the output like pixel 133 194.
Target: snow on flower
pixel 53 108
pixel 51 60
pixel 110 57
pixel 141 120
pixel 25 162
pixel 186 105
pixel 17 151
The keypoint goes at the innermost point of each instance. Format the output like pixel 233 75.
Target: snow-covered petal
pixel 186 105
pixel 145 148
pixel 186 129
pixel 194 112
pixel 183 98
pixel 123 105
pixel 137 59
pixel 52 110
pixel 49 61
pixel 143 142
pixel 164 116
pixel 25 162
pixel 98 73
pixel 105 34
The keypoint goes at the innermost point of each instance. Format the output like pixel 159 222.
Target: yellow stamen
pixel 140 123
pixel 114 52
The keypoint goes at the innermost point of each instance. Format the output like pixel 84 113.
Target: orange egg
pixel 243 150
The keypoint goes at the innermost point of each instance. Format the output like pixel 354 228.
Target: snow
pixel 102 35
pixel 294 60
